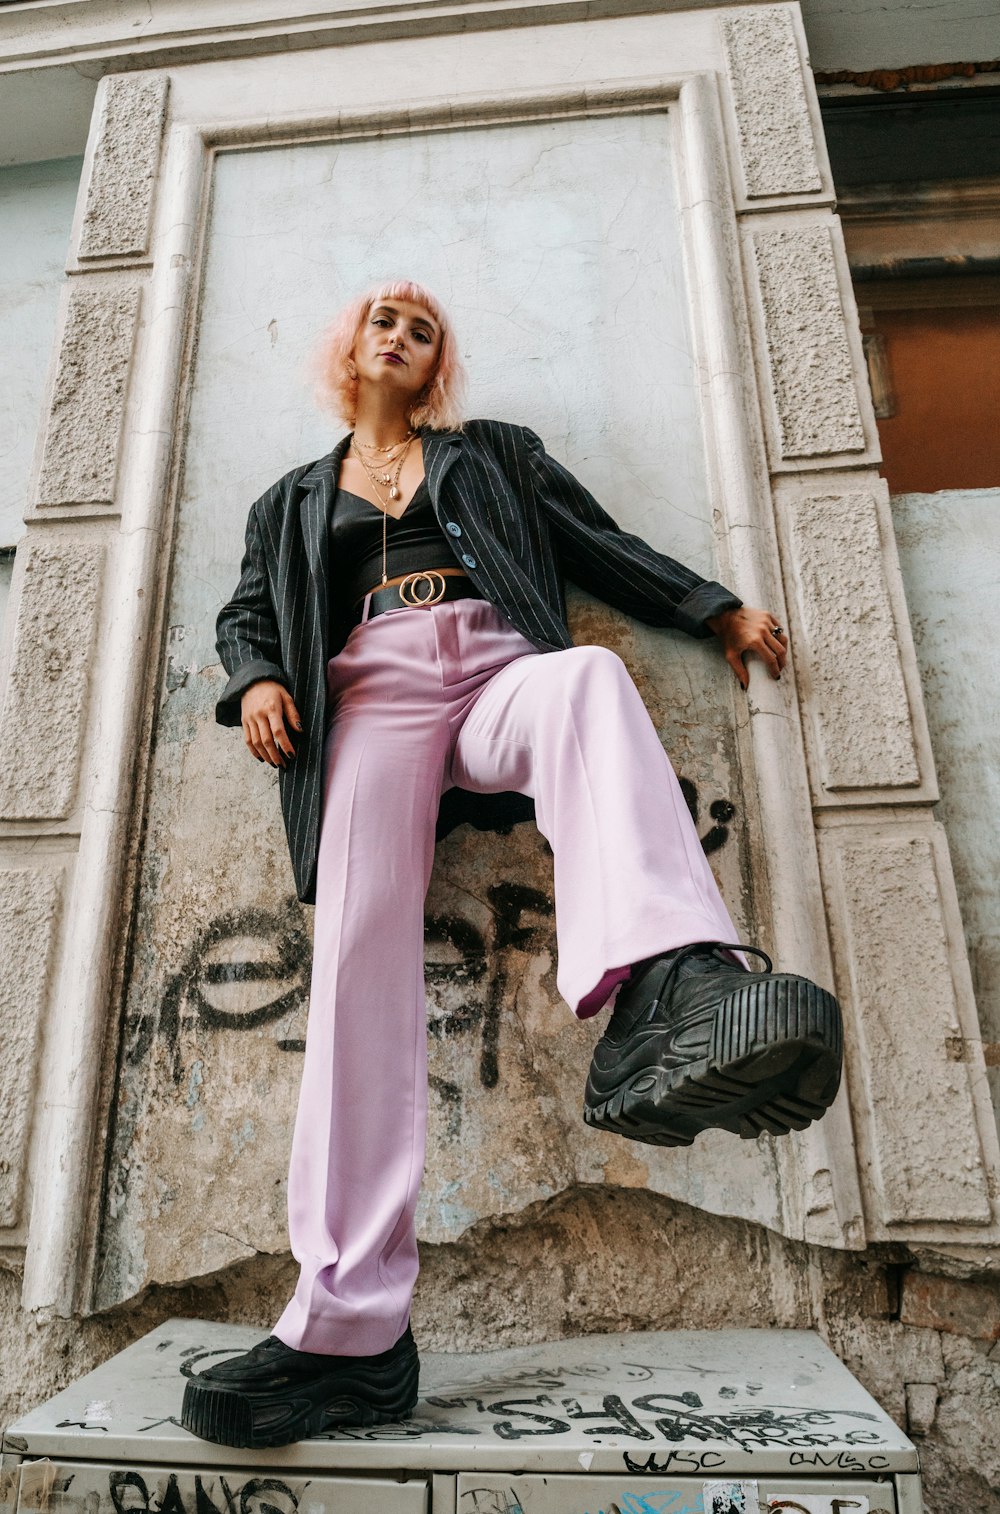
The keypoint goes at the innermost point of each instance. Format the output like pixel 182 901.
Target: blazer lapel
pixel 440 449
pixel 315 512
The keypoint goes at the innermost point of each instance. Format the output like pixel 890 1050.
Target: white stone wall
pixel 36 216
pixel 949 548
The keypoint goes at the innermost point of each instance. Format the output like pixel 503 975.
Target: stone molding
pixel 859 726
pixel 119 205
pixel 913 1051
pixel 87 409
pixel 810 369
pixel 777 147
pixel 29 908
pixel 44 709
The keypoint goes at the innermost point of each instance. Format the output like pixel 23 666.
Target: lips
pixel 392 357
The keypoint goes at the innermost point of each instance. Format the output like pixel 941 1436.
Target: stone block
pixel 857 706
pixel 44 708
pixel 945 1303
pixel 913 1105
pixel 811 372
pixel 29 903
pixel 83 435
pixel 777 150
pixel 119 207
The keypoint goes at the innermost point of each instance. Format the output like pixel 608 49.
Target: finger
pixel 291 713
pixel 280 737
pixel 778 647
pixel 767 656
pixel 257 745
pixel 265 742
pixel 735 661
pixel 248 736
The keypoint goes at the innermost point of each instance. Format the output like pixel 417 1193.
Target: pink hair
pixel 439 406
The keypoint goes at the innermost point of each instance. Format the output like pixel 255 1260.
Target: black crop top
pixel 414 541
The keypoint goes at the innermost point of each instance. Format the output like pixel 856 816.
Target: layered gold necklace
pixel 383 474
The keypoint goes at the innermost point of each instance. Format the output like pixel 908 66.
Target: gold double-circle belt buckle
pixel 410 595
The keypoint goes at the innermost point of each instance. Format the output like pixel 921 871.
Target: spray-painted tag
pixel 730 1498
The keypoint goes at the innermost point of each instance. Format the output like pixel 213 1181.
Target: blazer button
pixel 453 527
pixel 470 562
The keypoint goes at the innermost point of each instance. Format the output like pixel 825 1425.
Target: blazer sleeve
pixel 615 566
pixel 247 638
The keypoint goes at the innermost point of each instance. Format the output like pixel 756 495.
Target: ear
pixel 352 372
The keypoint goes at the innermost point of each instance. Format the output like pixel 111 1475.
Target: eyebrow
pixel 417 320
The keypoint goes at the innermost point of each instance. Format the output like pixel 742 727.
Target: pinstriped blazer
pixel 518 522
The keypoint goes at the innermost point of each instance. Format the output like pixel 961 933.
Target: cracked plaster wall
pixel 215 1015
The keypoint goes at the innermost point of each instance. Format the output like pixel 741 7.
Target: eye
pixel 381 320
pixel 421 336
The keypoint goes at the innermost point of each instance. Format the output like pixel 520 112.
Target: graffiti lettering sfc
pixel 680 1422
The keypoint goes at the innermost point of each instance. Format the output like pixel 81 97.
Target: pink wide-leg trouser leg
pixel 423 700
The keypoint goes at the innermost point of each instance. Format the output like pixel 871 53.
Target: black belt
pixel 418 591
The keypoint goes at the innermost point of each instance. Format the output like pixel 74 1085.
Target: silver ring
pixel 777 631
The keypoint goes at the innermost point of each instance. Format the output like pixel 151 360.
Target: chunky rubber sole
pixel 372 1395
pixel 773 1065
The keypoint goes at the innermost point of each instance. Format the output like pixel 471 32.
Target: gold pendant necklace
pixel 393 481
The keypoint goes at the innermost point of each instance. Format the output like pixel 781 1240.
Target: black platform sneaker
pixel 695 1042
pixel 272 1394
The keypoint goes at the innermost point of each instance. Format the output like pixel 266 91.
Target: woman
pixel 431 554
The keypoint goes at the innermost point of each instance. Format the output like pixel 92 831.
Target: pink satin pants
pixel 424 699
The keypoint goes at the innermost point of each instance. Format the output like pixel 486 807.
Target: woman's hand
pixel 745 630
pixel 264 708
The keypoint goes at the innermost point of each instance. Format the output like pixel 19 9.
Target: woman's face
pixel 398 344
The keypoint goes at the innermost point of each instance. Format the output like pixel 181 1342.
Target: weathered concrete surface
pixel 80 460
pixel 811 372
pixel 36 213
pixel 606 1259
pixel 45 702
pixel 119 205
pixel 777 150
pixel 950 558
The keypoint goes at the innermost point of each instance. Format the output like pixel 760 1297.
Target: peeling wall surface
pixel 949 548
pixel 547 221
pixel 852 34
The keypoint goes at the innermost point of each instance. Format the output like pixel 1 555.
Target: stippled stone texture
pixel 29 901
pixel 119 208
pixel 43 711
pixel 921 1137
pixel 812 378
pixel 772 116
pixel 857 705
pixel 80 460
